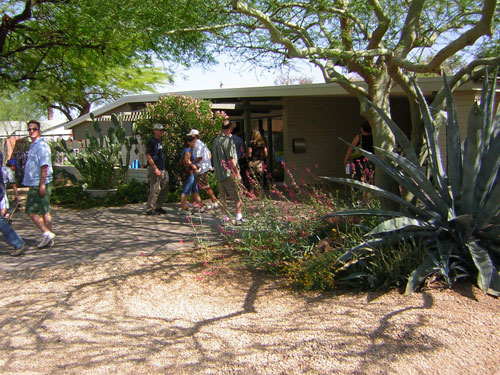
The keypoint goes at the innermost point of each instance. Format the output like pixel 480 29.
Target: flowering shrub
pixel 179 114
pixel 286 233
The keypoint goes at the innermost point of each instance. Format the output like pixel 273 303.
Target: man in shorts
pixel 227 172
pixel 38 177
pixel 202 160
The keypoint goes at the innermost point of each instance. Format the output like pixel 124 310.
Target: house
pixel 303 123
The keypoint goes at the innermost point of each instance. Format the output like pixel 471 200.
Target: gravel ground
pixel 167 313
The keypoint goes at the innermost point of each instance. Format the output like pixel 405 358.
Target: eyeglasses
pixel 32 129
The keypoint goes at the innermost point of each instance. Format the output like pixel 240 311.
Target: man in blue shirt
pixel 158 176
pixel 38 176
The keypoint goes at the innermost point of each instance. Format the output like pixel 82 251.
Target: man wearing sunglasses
pixel 38 176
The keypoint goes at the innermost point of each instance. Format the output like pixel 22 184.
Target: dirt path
pixel 167 314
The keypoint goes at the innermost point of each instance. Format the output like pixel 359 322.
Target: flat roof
pixel 428 84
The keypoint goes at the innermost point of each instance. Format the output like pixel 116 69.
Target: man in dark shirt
pixel 158 176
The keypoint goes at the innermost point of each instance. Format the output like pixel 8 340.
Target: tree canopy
pixel 84 50
pixel 84 85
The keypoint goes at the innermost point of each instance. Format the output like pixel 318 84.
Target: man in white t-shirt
pixel 202 160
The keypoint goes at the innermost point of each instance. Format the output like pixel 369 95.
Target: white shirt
pixel 201 150
pixel 8 175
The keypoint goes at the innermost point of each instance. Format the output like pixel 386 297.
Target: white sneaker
pixel 215 205
pixel 240 221
pixel 46 238
pixel 208 206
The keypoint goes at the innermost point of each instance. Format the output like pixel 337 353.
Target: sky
pixel 233 76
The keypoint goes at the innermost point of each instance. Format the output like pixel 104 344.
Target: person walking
pixel 38 177
pixel 189 185
pixel 9 177
pixel 363 169
pixel 239 143
pixel 257 154
pixel 10 234
pixel 157 174
pixel 227 173
pixel 202 160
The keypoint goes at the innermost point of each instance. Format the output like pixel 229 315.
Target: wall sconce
pixel 298 145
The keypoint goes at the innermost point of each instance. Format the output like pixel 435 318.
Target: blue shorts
pixel 190 186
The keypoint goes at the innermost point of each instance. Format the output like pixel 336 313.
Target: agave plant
pixel 456 211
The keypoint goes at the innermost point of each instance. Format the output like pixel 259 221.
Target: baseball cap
pixel 12 162
pixel 158 126
pixel 193 132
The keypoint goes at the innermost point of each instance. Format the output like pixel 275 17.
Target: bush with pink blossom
pixel 179 114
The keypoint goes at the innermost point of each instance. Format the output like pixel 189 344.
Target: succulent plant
pixel 456 212
pixel 102 154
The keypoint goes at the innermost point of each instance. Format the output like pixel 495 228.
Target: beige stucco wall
pixel 463 102
pixel 320 121
pixel 80 130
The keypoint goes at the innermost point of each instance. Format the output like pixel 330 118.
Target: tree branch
pixel 481 28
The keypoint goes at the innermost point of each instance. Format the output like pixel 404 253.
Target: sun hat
pixel 193 132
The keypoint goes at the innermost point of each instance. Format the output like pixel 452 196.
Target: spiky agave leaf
pixel 414 182
pixel 483 263
pixel 399 135
pixel 418 276
pixel 432 146
pixel 453 150
pixel 381 192
pixel 422 188
pixel 399 224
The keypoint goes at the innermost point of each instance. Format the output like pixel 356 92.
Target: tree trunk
pixel 379 90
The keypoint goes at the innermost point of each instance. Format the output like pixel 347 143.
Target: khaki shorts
pixel 202 180
pixel 229 188
pixel 36 204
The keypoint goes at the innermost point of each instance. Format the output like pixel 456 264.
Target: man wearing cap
pixel 158 175
pixel 202 160
pixel 226 170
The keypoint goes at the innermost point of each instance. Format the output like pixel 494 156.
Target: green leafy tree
pixel 19 106
pixel 179 114
pixel 89 84
pixel 383 42
pixel 75 53
pixel 38 37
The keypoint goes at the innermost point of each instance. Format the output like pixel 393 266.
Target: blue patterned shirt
pixel 38 155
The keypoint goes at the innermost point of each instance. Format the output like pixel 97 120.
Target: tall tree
pixel 385 42
pixel 87 48
pixel 18 106
pixel 84 85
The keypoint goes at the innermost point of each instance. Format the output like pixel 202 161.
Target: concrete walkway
pixel 103 233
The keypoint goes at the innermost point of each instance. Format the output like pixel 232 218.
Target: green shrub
pixel 75 196
pixel 179 114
